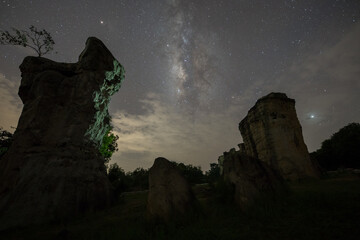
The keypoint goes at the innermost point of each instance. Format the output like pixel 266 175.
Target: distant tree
pixel 342 150
pixel 117 178
pixel 109 145
pixel 214 173
pixel 136 180
pixel 6 139
pixel 38 40
pixel 222 190
pixel 193 174
pixel 139 179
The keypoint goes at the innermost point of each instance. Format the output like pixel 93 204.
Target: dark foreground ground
pixel 325 209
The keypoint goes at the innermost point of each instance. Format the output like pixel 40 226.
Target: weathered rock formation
pixel 251 178
pixel 170 194
pixel 53 169
pixel 272 133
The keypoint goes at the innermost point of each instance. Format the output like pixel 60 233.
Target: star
pixel 174 55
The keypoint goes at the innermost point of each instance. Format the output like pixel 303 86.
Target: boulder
pixel 53 170
pixel 170 194
pixel 272 133
pixel 250 178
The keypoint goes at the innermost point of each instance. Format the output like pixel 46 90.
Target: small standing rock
pixel 170 194
pixel 250 177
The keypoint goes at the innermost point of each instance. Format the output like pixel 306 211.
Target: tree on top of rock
pixel 38 40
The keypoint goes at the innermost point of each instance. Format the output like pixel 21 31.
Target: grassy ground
pixel 323 209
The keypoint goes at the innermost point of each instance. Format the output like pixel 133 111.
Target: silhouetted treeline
pixel 138 179
pixel 192 173
pixel 341 150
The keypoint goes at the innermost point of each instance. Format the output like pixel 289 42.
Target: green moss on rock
pixel 110 85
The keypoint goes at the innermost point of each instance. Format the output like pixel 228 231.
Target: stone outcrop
pixel 53 169
pixel 272 133
pixel 250 178
pixel 170 194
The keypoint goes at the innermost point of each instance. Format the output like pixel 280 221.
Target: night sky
pixel 194 68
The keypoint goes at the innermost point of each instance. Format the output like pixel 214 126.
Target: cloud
pixel 10 104
pixel 325 84
pixel 167 131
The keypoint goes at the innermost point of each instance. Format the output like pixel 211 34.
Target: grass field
pixel 324 209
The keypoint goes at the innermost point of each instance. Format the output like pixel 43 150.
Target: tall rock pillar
pixel 53 170
pixel 272 133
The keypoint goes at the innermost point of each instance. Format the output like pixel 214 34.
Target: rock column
pixel 272 133
pixel 53 169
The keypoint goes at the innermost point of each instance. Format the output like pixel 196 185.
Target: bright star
pixel 101 21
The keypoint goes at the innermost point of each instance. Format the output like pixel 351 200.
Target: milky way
pixel 194 68
pixel 193 73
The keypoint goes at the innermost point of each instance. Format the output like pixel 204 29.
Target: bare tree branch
pixel 41 41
